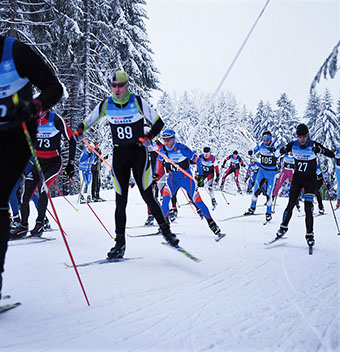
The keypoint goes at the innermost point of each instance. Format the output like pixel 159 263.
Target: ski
pixel 274 240
pixel 102 261
pixel 220 236
pixel 183 251
pixel 150 234
pixel 141 226
pixel 315 215
pixel 8 307
pixel 240 216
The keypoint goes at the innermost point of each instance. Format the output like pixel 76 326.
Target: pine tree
pixel 285 120
pixel 312 110
pixel 327 130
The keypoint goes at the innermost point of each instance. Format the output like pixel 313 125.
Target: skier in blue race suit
pixel 268 153
pixel 181 155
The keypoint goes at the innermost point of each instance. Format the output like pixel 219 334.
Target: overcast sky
pixel 195 41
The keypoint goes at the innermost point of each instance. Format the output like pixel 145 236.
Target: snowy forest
pixel 85 41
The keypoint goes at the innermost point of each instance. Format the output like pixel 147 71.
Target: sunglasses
pixel 120 85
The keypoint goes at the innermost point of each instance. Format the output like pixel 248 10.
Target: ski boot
pixel 213 227
pixel 239 191
pixel 310 239
pixel 47 225
pixel 0 285
pixel 250 211
pixel 38 229
pixel 268 217
pixel 20 231
pixel 82 200
pixel 118 250
pixel 222 186
pixel 89 199
pixel 168 235
pixel 172 215
pixel 281 231
pixel 149 220
pixel 15 222
pixel 214 203
pixel 322 211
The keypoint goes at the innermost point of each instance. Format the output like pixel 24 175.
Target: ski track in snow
pixel 241 297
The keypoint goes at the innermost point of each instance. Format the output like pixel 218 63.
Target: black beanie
pixel 206 150
pixel 302 130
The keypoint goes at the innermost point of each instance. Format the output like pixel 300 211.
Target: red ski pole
pixel 64 197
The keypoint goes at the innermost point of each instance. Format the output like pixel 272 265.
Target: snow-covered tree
pixel 313 109
pixel 327 128
pixel 285 120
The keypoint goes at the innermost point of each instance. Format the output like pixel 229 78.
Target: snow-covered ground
pixel 240 297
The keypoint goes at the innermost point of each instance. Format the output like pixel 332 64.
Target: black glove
pixel 328 186
pixel 316 149
pixel 154 178
pixel 26 110
pixel 80 130
pixel 250 152
pixel 69 169
pixel 272 149
pixel 200 181
pixel 246 178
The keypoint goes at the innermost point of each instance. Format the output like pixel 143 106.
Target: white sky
pixel 195 41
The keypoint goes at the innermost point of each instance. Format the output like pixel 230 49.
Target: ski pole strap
pixel 170 161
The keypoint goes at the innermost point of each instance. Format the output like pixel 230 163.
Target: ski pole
pixel 90 146
pixel 189 201
pixel 100 221
pixel 52 216
pixel 42 179
pixel 64 197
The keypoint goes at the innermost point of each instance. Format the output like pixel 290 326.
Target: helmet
pixel 168 133
pixel 235 152
pixel 206 150
pixel 302 130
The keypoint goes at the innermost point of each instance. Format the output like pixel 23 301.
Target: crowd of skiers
pixel 134 125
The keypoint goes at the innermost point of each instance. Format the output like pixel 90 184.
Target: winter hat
pixel 168 133
pixel 120 76
pixel 235 152
pixel 206 150
pixel 302 130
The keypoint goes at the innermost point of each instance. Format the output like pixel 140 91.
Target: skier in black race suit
pixel 127 113
pixel 20 68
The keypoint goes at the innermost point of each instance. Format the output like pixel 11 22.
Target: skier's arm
pixel 287 148
pixel 65 130
pixel 319 148
pixel 96 114
pixel 153 119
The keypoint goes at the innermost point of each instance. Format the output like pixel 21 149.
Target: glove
pixel 272 149
pixel 250 152
pixel 79 131
pixel 26 110
pixel 244 165
pixel 69 169
pixel 147 140
pixel 217 179
pixel 200 181
pixel 316 149
pixel 154 178
pixel 328 186
pixel 246 178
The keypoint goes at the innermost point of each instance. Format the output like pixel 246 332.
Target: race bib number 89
pixel 124 132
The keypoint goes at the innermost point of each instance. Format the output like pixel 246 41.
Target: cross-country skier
pixel 252 170
pixel 305 152
pixel 268 153
pixel 210 168
pixel 181 155
pixel 20 69
pixel 234 167
pixel 286 172
pixel 86 160
pixel 126 114
pixel 337 173
pixel 48 149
